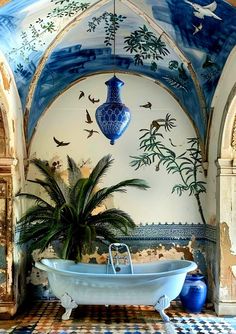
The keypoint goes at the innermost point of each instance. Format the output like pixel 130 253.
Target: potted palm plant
pixel 66 212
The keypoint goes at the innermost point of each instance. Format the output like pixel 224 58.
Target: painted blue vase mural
pixel 194 292
pixel 113 116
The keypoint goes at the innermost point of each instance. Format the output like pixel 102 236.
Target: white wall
pixel 65 119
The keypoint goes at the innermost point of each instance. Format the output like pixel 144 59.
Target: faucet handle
pixel 116 244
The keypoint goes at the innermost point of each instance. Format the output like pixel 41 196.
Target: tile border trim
pixel 173 231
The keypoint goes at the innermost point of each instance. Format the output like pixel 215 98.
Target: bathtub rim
pixel 40 265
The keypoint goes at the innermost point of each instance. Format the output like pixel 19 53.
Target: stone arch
pixel 226 212
pixel 227 136
pixel 223 154
pixel 147 20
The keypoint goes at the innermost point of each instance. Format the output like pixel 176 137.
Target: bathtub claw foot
pixel 66 315
pixel 162 303
pixel 69 304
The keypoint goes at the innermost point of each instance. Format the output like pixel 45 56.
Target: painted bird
pixel 88 118
pixel 201 11
pixel 197 28
pixel 155 124
pixel 147 105
pixel 208 62
pixel 81 94
pixel 60 143
pixel 92 99
pixel 91 132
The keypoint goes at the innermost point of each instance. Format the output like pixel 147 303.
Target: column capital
pixel 226 166
pixel 6 163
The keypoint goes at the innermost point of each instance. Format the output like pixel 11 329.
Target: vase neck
pixel 113 93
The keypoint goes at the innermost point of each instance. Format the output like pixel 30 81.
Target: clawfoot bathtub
pixel 155 283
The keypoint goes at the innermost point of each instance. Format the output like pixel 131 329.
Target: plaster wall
pixel 170 199
pixel 66 120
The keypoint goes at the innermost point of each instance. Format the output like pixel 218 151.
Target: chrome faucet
pixel 117 259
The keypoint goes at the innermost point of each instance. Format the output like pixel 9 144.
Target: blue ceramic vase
pixel 113 116
pixel 193 294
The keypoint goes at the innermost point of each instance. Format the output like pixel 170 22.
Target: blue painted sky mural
pixel 204 36
pixel 186 56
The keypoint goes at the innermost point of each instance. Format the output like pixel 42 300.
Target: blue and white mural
pixel 138 50
pixel 184 55
pixel 203 36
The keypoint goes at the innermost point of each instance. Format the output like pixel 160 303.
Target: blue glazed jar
pixel 193 294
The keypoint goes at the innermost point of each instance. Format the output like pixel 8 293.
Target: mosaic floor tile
pixel 45 318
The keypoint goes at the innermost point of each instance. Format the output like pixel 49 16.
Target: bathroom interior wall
pixel 169 224
pixel 66 121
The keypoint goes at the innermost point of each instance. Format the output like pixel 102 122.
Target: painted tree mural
pixel 111 25
pixel 187 165
pixel 34 37
pixel 145 45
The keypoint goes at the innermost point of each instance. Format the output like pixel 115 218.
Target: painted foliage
pixel 187 165
pixel 69 127
pixel 185 56
pixel 140 50
pixel 28 27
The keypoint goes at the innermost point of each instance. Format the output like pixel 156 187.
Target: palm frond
pixel 107 233
pixel 69 218
pixel 67 244
pixel 95 177
pixel 35 198
pixel 35 214
pixel 78 194
pixel 98 197
pixel 35 232
pixel 74 173
pixel 50 183
pixel 115 218
pixel 42 239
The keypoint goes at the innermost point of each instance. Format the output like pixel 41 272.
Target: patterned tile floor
pixel 45 318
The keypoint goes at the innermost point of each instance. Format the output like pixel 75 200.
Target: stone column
pixel 7 295
pixel 225 297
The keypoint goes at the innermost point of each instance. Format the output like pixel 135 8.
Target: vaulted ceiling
pixel 182 45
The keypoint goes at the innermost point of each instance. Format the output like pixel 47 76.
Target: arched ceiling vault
pixel 91 11
pixel 182 45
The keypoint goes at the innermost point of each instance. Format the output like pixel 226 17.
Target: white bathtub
pixel 155 283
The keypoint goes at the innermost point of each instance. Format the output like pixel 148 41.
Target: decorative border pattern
pixel 233 138
pixel 211 232
pixel 173 231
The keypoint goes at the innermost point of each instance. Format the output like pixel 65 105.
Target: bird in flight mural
pixel 90 132
pixel 201 11
pixel 88 118
pixel 147 105
pixel 92 99
pixel 81 94
pixel 197 28
pixel 60 143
